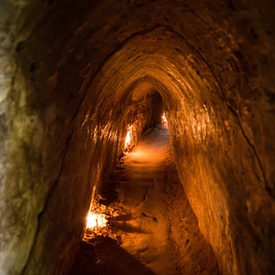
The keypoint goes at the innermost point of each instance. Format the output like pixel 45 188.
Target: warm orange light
pixel 164 119
pixel 128 138
pixel 94 220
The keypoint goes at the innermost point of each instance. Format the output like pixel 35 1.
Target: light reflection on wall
pixel 128 138
pixel 164 119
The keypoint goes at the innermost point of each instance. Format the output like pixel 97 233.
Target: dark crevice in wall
pixel 268 188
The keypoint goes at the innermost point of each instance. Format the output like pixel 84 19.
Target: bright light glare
pixel 128 139
pixel 94 220
pixel 164 119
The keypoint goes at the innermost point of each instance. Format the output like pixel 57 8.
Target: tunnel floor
pixel 153 228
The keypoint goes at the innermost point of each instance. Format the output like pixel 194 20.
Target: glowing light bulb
pixel 91 220
pixel 94 220
pixel 127 139
pixel 164 119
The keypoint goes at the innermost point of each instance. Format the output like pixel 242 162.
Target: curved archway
pixel 191 97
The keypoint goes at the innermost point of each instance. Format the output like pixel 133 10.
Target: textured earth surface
pixel 76 75
pixel 153 221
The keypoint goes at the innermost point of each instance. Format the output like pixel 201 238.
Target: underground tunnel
pixel 84 86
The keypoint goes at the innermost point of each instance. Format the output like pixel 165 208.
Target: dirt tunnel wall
pixel 71 74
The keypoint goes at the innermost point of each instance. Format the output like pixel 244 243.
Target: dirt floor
pixel 151 226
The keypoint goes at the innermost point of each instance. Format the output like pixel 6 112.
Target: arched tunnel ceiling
pixel 203 34
pixel 73 63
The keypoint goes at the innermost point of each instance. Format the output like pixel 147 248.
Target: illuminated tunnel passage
pixel 151 227
pixel 77 76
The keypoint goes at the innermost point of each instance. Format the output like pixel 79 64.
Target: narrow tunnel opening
pixel 145 110
pixel 140 220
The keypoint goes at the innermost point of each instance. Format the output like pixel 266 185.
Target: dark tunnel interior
pixel 155 116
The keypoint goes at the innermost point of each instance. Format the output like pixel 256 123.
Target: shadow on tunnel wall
pixel 104 256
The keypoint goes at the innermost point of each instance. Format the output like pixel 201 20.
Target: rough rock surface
pixel 69 72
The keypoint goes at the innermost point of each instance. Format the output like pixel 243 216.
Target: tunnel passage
pixel 141 222
pixel 67 72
